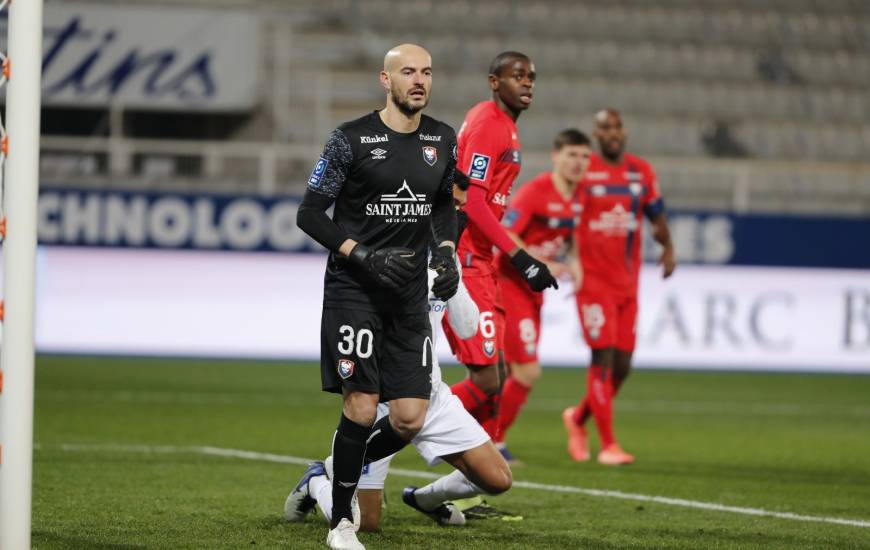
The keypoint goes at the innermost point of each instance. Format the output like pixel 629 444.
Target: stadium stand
pixel 729 98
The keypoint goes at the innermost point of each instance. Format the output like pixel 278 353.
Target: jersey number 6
pixel 364 341
pixel 487 325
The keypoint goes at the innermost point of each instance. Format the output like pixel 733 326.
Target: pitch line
pixel 287 459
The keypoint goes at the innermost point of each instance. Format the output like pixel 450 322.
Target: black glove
pixel 447 281
pixel 391 267
pixel 536 273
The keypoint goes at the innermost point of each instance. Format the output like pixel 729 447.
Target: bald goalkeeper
pixel 389 175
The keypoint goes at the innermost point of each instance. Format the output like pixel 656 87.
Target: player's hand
pixel 392 267
pixel 447 282
pixel 669 261
pixel 536 274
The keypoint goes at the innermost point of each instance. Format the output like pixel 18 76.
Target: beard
pixel 613 153
pixel 404 105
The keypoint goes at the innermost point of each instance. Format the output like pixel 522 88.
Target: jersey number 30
pixel 363 342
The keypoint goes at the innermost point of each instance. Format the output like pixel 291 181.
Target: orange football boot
pixel 578 443
pixel 614 456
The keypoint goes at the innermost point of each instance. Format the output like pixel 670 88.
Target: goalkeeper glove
pixel 536 273
pixel 391 267
pixel 447 282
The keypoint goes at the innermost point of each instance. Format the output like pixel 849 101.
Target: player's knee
pixel 498 481
pixel 407 426
pixel 526 373
pixel 486 378
pixel 603 357
pixel 622 366
pixel 361 411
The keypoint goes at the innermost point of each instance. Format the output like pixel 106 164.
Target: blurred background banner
pixel 166 58
pixel 84 217
pixel 266 305
pixel 164 220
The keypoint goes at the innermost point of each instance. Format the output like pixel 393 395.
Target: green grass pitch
pixel 104 476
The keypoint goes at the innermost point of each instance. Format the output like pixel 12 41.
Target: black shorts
pixel 374 352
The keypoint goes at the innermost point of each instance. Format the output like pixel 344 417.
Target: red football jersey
pixel 614 198
pixel 488 150
pixel 543 218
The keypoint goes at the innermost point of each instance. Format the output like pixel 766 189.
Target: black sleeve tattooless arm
pixel 444 223
pixel 313 219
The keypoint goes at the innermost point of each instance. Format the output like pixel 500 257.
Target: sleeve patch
pixel 318 172
pixel 479 167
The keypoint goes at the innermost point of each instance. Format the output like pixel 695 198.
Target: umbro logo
pixel 374 139
pixel 347 484
pixel 378 154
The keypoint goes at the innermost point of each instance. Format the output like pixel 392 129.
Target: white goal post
pixel 21 181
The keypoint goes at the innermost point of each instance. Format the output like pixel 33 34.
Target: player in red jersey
pixel 488 151
pixel 619 188
pixel 541 217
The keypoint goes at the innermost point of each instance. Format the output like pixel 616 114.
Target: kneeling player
pixel 449 434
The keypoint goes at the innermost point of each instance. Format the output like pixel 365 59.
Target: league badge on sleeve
pixel 430 155
pixel 479 167
pixel 317 173
pixel 345 368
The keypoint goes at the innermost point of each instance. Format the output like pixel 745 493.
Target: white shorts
pixel 448 429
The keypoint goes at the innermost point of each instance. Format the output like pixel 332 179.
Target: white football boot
pixel 343 537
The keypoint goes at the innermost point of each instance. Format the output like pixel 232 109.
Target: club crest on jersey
pixel 489 347
pixel 319 170
pixel 430 155
pixel 479 167
pixel 345 368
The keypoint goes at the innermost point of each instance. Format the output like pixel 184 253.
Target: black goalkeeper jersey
pixel 384 184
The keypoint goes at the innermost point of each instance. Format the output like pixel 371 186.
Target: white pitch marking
pixel 287 459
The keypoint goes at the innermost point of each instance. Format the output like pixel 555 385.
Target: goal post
pixel 21 183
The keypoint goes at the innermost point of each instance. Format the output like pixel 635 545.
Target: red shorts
pixel 608 319
pixel 483 347
pixel 522 316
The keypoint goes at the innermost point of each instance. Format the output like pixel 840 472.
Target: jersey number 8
pixel 364 340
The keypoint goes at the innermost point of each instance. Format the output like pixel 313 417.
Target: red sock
pixel 492 424
pixel 600 396
pixel 513 397
pixel 473 398
pixel 583 411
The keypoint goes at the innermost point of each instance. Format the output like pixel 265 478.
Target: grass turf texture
pixel 783 442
